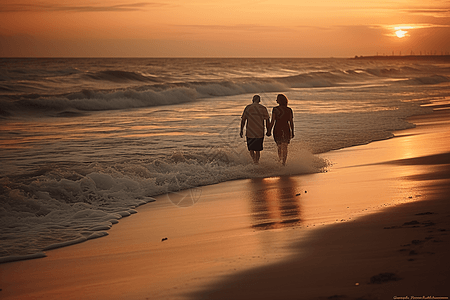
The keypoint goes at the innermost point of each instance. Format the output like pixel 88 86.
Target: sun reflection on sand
pixel 274 203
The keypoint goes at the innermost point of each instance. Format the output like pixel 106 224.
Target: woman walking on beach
pixel 283 126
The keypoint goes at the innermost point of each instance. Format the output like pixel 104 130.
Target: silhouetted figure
pixel 283 126
pixel 255 115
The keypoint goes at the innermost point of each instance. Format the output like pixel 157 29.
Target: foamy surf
pixel 58 209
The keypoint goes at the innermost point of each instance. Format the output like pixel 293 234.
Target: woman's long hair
pixel 282 100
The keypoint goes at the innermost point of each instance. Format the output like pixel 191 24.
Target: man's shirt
pixel 255 114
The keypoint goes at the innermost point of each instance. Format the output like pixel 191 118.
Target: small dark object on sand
pixel 164 239
pixel 391 227
pixel 383 277
pixel 425 213
pixel 411 223
pixel 306 192
pixel 298 194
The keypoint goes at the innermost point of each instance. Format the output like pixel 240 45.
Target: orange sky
pixel 231 28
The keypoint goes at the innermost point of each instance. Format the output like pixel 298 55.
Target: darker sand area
pixel 376 226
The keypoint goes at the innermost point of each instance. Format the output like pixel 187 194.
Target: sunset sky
pixel 231 28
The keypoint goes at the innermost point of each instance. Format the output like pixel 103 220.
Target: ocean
pixel 84 141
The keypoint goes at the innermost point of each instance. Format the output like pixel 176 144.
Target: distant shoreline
pixel 405 57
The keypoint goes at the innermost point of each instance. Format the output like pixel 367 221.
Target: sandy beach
pixel 376 226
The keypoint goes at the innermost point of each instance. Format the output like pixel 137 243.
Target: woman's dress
pixel 282 129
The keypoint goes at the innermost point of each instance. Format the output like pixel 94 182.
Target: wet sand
pixel 374 227
pixel 400 252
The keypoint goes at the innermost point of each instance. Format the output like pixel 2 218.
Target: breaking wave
pixel 120 76
pixel 170 94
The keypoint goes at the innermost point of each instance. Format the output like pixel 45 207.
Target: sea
pixel 85 141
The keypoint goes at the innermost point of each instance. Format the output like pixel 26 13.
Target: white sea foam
pixel 87 205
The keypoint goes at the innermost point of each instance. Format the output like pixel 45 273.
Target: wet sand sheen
pixel 398 251
pixel 267 239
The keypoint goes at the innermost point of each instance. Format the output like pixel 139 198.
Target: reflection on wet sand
pixel 274 203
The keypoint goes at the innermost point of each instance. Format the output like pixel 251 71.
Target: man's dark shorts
pixel 255 144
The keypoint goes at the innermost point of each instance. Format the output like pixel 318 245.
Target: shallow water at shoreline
pixel 244 226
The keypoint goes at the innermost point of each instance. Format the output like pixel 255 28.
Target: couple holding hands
pixel 255 115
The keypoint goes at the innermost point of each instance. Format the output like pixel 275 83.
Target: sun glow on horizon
pixel 400 32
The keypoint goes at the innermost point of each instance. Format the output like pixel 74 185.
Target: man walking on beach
pixel 255 115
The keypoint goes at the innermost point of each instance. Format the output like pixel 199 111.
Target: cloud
pixel 237 27
pixel 77 8
pixel 437 13
pixel 412 26
pixel 391 30
pixel 314 27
